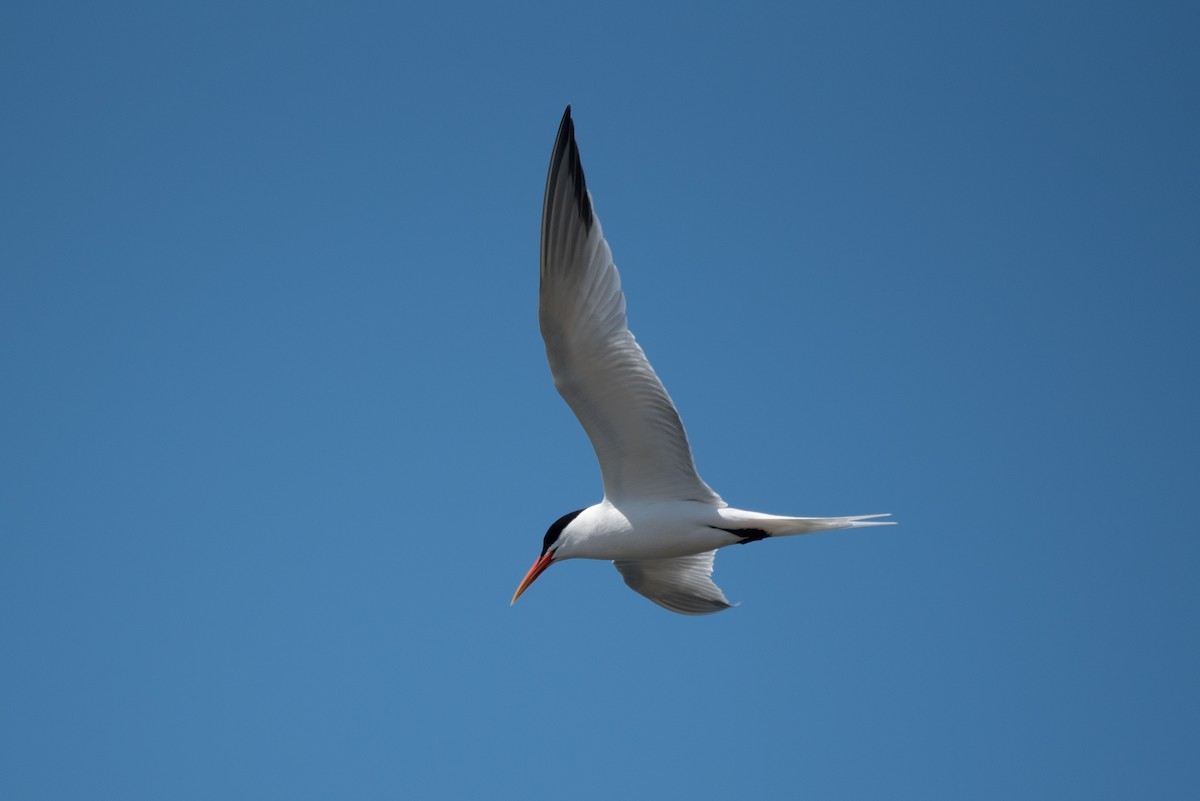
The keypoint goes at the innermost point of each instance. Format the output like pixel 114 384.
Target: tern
pixel 658 522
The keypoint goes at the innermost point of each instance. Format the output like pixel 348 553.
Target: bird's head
pixel 551 544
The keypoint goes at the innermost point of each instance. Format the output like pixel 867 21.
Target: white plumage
pixel 659 522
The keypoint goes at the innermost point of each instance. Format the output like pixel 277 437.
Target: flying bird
pixel 658 522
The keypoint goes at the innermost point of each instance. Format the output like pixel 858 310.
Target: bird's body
pixel 664 529
pixel 659 523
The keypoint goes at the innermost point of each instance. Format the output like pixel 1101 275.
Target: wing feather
pixel 683 584
pixel 598 366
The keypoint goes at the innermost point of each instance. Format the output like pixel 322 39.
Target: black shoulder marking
pixel 745 535
pixel 566 152
pixel 556 528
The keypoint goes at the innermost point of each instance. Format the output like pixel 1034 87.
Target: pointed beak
pixel 538 568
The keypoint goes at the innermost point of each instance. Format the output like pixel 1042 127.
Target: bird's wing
pixel 598 367
pixel 683 584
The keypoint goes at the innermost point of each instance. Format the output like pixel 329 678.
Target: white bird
pixel 659 523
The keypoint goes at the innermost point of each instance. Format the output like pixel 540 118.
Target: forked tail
pixel 778 526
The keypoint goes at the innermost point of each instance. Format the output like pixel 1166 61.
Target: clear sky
pixel 279 440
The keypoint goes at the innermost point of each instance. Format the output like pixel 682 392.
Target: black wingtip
pixel 566 154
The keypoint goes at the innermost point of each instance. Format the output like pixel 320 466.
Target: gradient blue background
pixel 279 440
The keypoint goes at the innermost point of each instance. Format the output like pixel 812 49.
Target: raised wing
pixel 682 584
pixel 598 367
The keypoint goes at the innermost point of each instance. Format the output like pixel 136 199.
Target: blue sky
pixel 279 439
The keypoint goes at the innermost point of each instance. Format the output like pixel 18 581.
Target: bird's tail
pixel 777 526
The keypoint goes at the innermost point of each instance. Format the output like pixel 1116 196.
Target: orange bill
pixel 538 568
